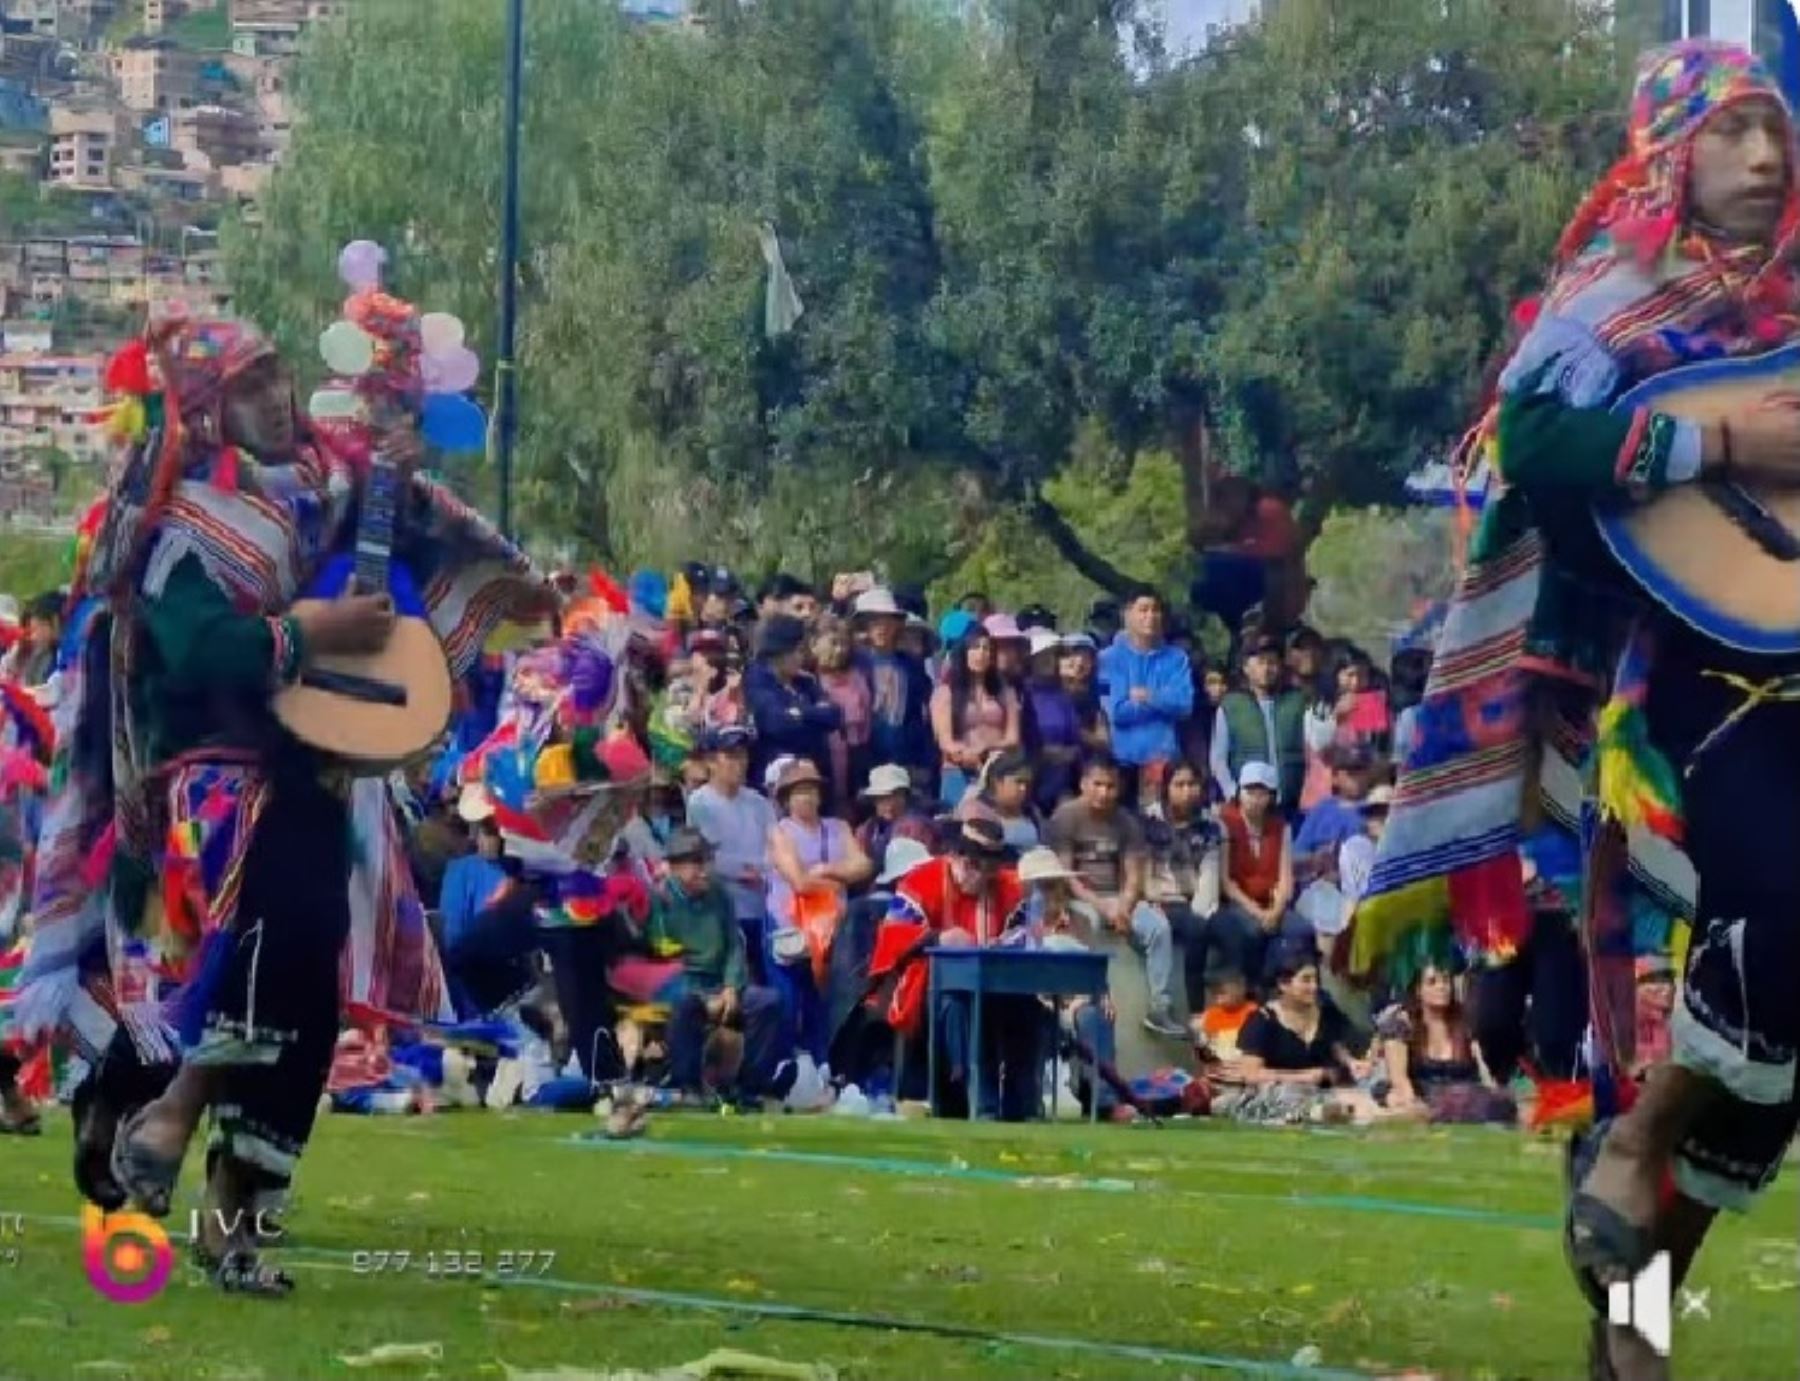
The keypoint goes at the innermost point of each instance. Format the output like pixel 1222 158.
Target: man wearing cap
pixel 900 731
pixel 1149 695
pixel 971 896
pixel 484 950
pixel 1256 877
pixel 736 821
pixel 1262 723
pixel 889 795
pixel 691 915
pixel 1338 817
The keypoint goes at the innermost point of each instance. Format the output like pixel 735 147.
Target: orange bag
pixel 817 913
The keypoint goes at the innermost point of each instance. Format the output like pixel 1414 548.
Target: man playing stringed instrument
pixel 205 978
pixel 1682 254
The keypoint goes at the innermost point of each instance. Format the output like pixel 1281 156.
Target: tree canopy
pixel 1035 253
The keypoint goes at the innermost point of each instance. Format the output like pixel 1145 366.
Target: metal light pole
pixel 506 419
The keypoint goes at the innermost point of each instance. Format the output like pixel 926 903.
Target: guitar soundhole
pixel 1760 525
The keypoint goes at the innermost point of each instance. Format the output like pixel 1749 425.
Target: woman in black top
pixel 1433 1063
pixel 1296 1038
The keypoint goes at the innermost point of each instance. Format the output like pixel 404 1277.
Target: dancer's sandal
pixel 1599 1241
pixel 147 1178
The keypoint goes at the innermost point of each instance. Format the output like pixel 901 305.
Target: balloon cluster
pixel 383 348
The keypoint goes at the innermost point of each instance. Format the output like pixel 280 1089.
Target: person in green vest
pixel 1261 723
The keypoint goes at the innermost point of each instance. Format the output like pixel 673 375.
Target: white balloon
pixel 440 333
pixel 347 348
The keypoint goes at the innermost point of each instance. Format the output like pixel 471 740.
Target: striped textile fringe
pixel 1451 846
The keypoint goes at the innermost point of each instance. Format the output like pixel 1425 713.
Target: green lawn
pixel 1032 1252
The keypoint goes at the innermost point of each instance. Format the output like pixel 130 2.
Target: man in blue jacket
pixel 1149 692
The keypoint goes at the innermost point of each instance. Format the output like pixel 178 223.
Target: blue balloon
pixel 453 423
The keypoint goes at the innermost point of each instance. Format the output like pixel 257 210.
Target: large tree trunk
pixel 1051 522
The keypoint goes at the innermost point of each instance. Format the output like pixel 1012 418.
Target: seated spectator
pixel 1408 675
pixel 814 861
pixel 1256 877
pixel 1184 874
pixel 893 814
pixel 1002 793
pixel 1105 847
pixel 692 917
pixel 1228 1006
pixel 1306 662
pixel 1337 818
pixel 736 820
pixel 1050 924
pixel 1292 1053
pixel 1434 1065
pixel 1329 904
pixel 972 897
pixel 972 713
pixel 1052 727
pixel 487 949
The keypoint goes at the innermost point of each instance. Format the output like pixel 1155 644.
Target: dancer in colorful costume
pixel 27 738
pixel 1684 785
pixel 564 772
pixel 204 974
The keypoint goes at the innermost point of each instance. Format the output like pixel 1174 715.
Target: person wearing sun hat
pixel 892 812
pixel 1012 649
pixel 900 730
pixel 970 895
pixel 814 861
pixel 1051 724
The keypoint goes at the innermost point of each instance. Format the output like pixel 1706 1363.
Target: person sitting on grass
pixel 692 917
pixel 1228 1007
pixel 1292 1055
pixel 1434 1066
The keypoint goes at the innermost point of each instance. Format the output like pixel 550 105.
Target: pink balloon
pixel 454 371
pixel 360 264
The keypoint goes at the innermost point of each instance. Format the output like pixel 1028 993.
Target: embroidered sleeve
pixel 288 650
pixel 1557 430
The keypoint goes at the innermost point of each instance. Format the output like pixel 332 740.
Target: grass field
pixel 1192 1250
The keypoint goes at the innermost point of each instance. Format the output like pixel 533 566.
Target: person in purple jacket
pixel 1052 724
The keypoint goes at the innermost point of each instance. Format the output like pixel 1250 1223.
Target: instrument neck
pixel 375 524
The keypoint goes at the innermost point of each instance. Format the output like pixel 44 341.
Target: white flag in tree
pixel 781 304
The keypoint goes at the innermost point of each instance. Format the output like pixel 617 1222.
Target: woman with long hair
pixel 847 686
pixel 972 713
pixel 1003 794
pixel 1434 1066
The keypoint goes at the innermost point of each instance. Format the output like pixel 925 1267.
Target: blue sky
pixel 1188 18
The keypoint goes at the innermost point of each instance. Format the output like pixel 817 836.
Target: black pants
pixel 1738 1018
pixel 579 959
pixel 1537 1004
pixel 9 1070
pixel 272 1019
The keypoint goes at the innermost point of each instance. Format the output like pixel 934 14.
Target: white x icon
pixel 1694 1303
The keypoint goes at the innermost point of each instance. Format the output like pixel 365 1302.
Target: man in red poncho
pixel 970 896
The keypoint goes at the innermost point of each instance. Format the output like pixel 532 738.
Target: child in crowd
pixel 1228 1007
